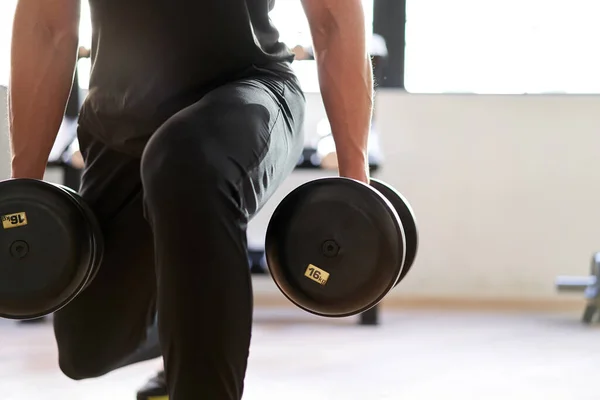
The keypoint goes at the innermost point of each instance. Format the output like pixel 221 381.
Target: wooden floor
pixel 413 355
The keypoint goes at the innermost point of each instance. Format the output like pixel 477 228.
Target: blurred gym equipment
pixel 589 285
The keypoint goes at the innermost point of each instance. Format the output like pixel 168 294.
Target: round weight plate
pixel 335 247
pixel 96 236
pixel 407 217
pixel 44 251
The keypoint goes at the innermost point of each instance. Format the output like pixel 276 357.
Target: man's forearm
pixel 42 68
pixel 346 81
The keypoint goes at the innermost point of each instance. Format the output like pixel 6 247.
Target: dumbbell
pixel 50 247
pixel 335 247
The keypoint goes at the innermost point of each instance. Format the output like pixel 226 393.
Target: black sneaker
pixel 155 388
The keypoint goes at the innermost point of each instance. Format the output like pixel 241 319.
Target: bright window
pixel 7 11
pixel 502 46
pixel 85 39
pixel 288 16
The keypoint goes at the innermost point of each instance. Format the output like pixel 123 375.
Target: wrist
pixel 21 169
pixel 357 169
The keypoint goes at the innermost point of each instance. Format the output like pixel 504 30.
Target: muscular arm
pixel 345 78
pixel 43 56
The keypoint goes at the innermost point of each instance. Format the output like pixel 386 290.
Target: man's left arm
pixel 345 78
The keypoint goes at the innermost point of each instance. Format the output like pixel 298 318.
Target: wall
pixel 505 188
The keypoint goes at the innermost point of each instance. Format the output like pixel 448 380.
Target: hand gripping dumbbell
pixel 336 246
pixel 50 247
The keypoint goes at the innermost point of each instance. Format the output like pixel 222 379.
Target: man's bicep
pixel 57 16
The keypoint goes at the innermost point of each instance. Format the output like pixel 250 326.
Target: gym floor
pixel 418 354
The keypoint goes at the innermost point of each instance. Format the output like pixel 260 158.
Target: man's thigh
pixel 247 134
pixel 108 319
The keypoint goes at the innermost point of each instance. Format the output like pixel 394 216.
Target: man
pixel 192 120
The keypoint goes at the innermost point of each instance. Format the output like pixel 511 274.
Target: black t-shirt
pixel 151 58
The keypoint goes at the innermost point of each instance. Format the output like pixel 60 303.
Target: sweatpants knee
pixel 93 355
pixel 182 163
pixel 78 367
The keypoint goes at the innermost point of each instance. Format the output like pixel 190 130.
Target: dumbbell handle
pixel 574 283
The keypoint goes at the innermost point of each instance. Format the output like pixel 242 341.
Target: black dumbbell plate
pixel 44 247
pixel 334 247
pixel 409 223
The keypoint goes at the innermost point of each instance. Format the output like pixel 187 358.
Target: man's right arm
pixel 43 58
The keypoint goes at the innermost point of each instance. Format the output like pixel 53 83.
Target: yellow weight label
pixel 14 220
pixel 317 274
